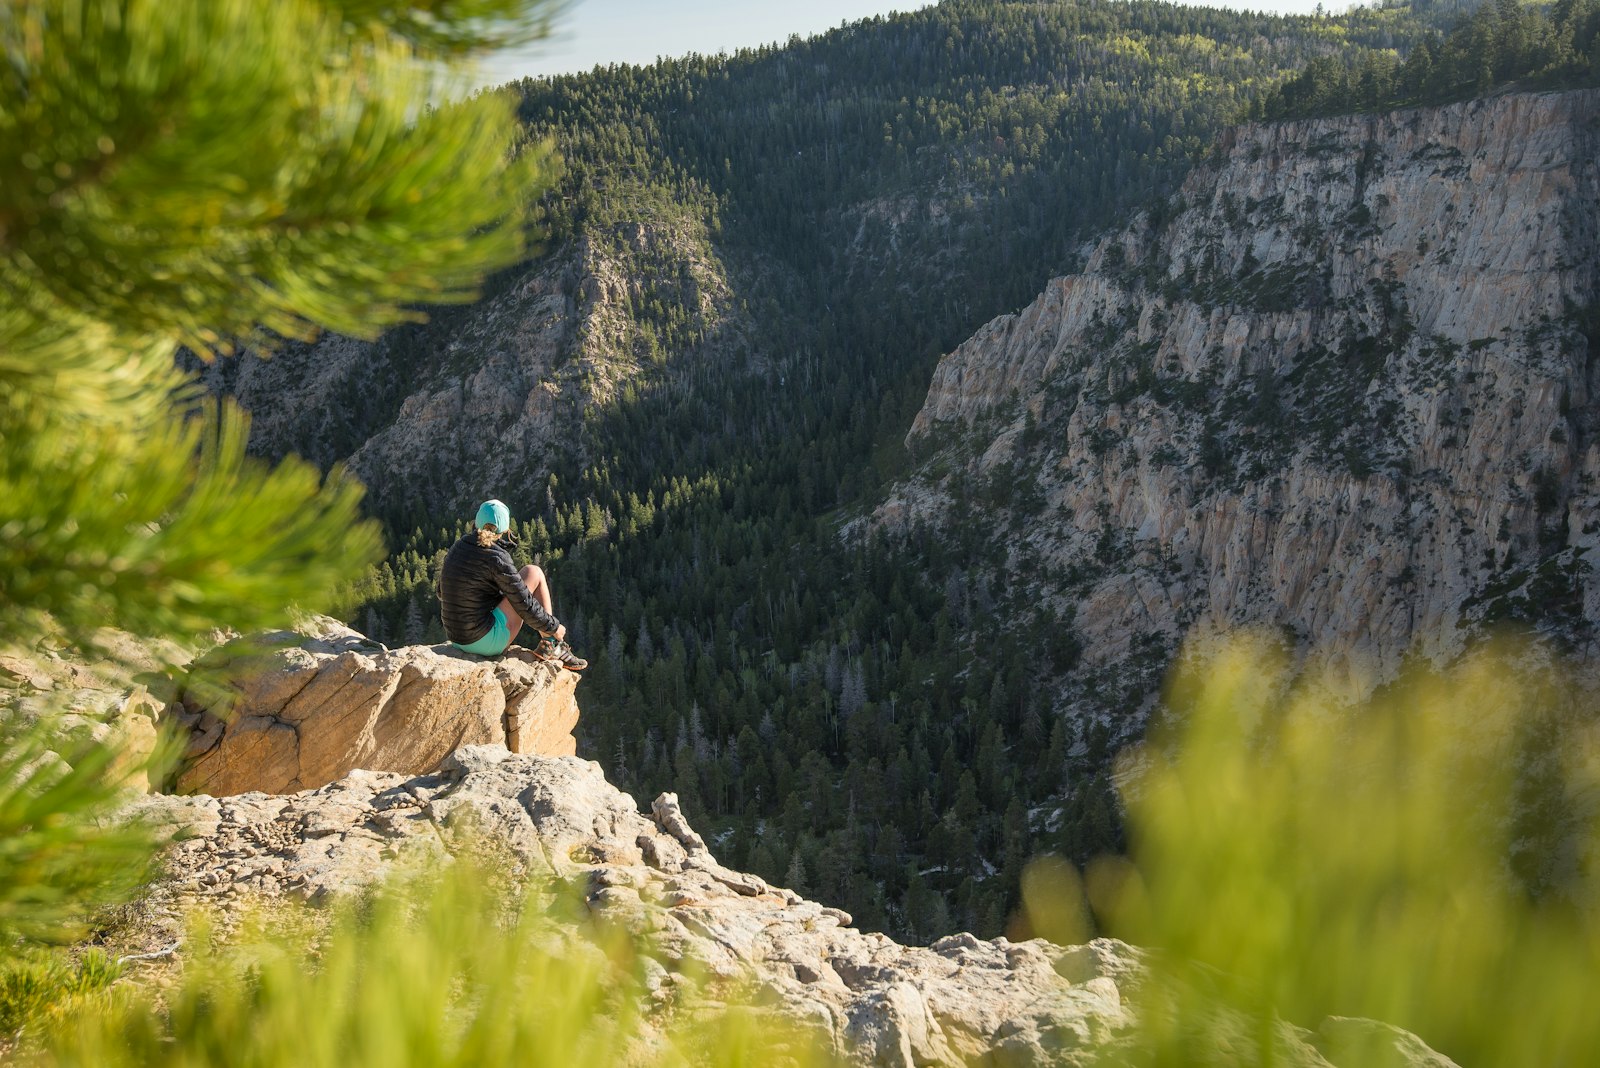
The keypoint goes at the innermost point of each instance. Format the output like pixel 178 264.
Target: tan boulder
pixel 289 712
pixel 102 702
pixel 136 738
pixel 540 715
pixel 25 670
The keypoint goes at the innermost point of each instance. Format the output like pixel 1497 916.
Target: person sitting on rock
pixel 484 599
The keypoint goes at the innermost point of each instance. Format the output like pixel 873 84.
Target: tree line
pixel 1554 46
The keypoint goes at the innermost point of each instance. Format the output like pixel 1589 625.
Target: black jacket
pixel 472 583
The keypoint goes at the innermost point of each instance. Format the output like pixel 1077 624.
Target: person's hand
pixel 561 631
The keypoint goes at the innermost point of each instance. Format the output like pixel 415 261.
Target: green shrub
pixel 1415 858
pixel 435 969
pixel 37 985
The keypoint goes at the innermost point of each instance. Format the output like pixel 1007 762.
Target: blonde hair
pixel 488 535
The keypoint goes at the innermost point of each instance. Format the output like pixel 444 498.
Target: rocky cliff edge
pixel 287 710
pixel 958 1001
pixel 295 710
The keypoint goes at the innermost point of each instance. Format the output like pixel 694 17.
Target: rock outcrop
pixel 291 711
pixel 102 695
pixel 959 1001
pixel 1342 385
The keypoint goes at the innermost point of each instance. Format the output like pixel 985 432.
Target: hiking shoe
pixel 559 652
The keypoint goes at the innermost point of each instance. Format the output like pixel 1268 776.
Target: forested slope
pixel 1533 46
pixel 754 262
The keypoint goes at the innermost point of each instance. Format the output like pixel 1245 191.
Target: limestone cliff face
pixel 1342 384
pixel 477 403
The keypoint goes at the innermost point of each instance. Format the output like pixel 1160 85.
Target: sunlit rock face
pixel 99 696
pixel 1341 385
pixel 292 711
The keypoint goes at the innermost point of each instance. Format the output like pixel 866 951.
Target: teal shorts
pixel 494 643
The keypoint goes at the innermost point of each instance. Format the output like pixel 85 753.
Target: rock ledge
pixel 961 1000
pixel 292 711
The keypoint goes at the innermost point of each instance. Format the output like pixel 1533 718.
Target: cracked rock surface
pixel 293 711
pixel 961 1000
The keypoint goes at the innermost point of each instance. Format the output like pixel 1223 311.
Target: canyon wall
pixel 1341 385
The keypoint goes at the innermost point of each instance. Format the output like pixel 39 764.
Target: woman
pixel 484 599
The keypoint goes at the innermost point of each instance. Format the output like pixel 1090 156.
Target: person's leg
pixel 557 651
pixel 539 586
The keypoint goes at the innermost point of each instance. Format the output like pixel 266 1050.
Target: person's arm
pixel 511 586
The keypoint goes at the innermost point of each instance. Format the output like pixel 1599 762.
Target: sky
pixel 639 31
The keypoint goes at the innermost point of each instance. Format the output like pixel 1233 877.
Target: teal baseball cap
pixel 494 514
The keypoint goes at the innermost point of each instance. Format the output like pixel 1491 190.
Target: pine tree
pixel 796 874
pixel 413 631
pixel 853 691
pixel 204 173
pixel 280 194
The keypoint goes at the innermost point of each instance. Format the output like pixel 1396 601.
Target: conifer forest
pixel 875 721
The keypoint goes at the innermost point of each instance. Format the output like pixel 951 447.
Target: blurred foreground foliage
pixel 191 171
pixel 39 985
pixel 200 173
pixel 438 968
pixel 1427 858
pixel 56 855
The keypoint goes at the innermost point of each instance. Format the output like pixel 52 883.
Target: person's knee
pixel 532 577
